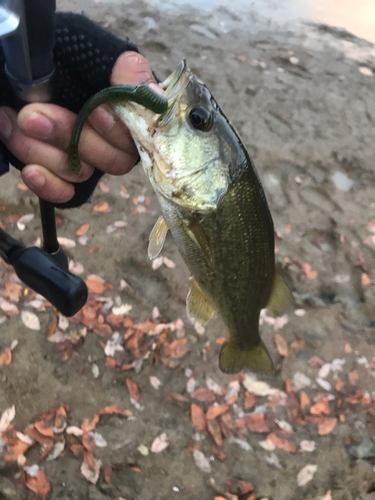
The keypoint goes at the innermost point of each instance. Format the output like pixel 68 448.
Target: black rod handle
pixel 47 214
pixel 40 22
pixel 67 292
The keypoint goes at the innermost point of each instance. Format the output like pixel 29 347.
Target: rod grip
pixel 67 292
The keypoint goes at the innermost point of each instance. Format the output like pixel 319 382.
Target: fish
pixel 213 203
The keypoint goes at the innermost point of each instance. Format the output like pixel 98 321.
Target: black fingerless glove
pixel 84 56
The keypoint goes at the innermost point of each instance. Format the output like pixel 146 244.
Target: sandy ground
pixel 305 109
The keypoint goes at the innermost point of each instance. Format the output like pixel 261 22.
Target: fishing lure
pixel 141 94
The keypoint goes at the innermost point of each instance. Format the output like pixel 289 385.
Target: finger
pixel 105 121
pixel 94 149
pixel 54 124
pixel 46 184
pixel 33 151
pixel 132 68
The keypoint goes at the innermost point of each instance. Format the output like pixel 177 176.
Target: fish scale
pixel 239 281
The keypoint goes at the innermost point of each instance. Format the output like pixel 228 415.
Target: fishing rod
pixel 27 30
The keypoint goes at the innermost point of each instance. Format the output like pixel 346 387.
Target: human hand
pixel 40 135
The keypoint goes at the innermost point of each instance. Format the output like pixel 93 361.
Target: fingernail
pixel 5 125
pixel 37 124
pixel 156 88
pixel 34 179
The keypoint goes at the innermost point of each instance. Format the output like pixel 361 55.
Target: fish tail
pixel 232 359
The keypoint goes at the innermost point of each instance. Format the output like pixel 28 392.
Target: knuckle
pixel 117 162
pixel 26 153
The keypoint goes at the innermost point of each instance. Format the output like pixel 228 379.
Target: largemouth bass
pixel 213 203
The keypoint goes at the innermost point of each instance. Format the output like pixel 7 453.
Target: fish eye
pixel 201 118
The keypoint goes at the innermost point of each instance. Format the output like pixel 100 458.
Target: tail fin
pixel 232 359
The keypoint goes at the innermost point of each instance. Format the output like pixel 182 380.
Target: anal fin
pixel 281 297
pixel 232 359
pixel 198 307
pixel 157 237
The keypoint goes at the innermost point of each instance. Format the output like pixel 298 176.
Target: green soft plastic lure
pixel 141 94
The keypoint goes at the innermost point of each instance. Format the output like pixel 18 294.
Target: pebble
pixel 364 450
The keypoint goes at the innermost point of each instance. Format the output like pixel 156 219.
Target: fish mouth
pixel 175 83
pixel 174 87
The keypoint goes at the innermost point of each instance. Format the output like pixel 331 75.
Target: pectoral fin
pixel 157 237
pixel 281 297
pixel 198 307
pixel 197 234
pixel 232 359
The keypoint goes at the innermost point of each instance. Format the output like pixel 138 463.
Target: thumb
pixel 132 68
